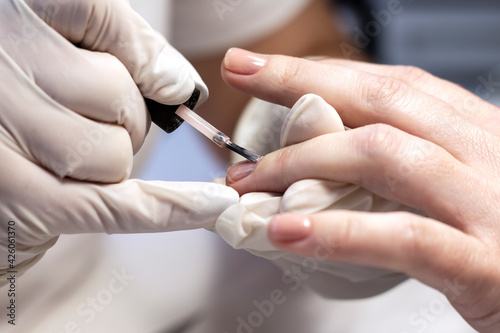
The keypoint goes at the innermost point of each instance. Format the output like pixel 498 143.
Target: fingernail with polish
pixel 288 228
pixel 244 62
pixel 239 171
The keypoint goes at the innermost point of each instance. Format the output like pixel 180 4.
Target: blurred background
pixel 455 40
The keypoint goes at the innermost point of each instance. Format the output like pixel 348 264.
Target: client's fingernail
pixel 289 228
pixel 239 171
pixel 244 62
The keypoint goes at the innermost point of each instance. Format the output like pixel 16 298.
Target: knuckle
pixel 385 92
pixel 343 242
pixel 412 246
pixel 419 243
pixel 378 141
pixel 413 73
pixel 290 72
pixel 283 164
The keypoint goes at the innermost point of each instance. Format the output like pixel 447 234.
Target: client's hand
pixel 416 139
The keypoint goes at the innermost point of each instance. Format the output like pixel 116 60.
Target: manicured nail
pixel 289 228
pixel 244 62
pixel 239 171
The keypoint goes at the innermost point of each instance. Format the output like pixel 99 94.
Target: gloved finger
pixel 380 158
pixel 144 206
pixel 361 98
pixel 67 207
pixel 111 26
pixel 96 85
pixel 59 139
pixel 310 117
pixel 430 251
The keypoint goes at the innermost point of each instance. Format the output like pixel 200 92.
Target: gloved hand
pixel 245 225
pixel 71 119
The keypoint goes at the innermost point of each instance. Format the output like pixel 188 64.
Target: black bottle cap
pixel 164 115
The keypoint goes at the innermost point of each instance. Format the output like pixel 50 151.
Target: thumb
pixel 112 26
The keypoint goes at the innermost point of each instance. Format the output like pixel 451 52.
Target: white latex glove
pixel 245 225
pixel 71 119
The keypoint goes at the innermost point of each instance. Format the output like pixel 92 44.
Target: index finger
pixel 361 98
pixel 467 104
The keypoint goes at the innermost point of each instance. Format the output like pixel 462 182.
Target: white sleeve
pixel 207 27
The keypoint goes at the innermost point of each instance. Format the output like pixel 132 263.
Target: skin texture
pixel 415 139
pixel 313 32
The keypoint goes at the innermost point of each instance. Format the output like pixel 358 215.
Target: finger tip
pixel 242 62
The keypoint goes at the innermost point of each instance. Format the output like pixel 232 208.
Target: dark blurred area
pixel 458 40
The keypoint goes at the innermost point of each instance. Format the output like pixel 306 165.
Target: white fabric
pixel 204 28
